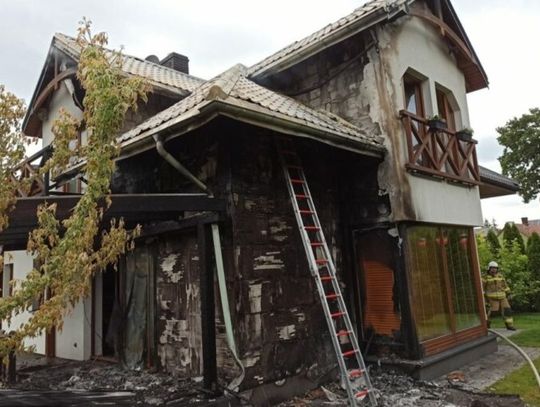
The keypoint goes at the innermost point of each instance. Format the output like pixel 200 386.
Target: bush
pixel 515 267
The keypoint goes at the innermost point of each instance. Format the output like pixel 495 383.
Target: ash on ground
pixel 148 388
pixel 394 389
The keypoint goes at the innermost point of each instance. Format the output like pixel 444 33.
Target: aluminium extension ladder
pixel 350 361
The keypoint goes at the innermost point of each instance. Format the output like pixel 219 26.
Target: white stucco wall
pixel 60 99
pixel 410 44
pixel 23 262
pixel 74 341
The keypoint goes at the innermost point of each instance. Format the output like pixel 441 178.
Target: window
pixel 414 102
pixel 443 288
pixel 445 109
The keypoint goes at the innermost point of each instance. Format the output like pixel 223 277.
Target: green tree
pixel 484 252
pixel 510 234
pixel 533 253
pixel 520 159
pixel 71 251
pixel 515 267
pixel 493 242
pixel 12 149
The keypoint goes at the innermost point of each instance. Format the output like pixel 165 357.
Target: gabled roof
pixel 159 76
pixel 233 94
pixel 366 16
pixel 363 17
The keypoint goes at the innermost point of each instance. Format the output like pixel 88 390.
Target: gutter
pixel 160 148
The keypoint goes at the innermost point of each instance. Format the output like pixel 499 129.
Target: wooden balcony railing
pixel 439 153
pixel 29 169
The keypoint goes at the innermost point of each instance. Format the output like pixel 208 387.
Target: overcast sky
pixel 217 34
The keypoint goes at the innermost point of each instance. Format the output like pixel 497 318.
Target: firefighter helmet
pixel 493 264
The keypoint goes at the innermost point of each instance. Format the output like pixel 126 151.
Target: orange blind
pixel 379 310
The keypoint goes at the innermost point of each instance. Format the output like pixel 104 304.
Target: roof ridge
pixel 139 59
pixel 352 18
pixel 225 82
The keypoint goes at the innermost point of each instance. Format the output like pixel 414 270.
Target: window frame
pixel 411 80
pixel 438 344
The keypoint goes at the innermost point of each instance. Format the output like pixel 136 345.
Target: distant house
pixel 528 227
pixel 398 197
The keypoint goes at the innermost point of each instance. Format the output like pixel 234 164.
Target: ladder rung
pixel 331 296
pixel 306 212
pixel 343 333
pixel 297 181
pixel 337 314
pixel 327 278
pixel 302 196
pixel 317 244
pixel 349 353
pixel 321 261
pixel 355 373
pixel 361 393
pixel 312 228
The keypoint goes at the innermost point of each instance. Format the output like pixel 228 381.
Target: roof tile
pixel 158 74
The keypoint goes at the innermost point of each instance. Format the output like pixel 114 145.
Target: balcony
pixel 29 169
pixel 439 153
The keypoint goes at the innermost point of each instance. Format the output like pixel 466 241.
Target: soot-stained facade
pixel 219 285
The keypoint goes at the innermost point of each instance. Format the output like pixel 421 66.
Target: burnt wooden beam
pixel 208 315
pixel 134 208
pixel 178 225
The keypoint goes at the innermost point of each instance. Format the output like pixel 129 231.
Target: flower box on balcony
pixel 435 123
pixel 465 135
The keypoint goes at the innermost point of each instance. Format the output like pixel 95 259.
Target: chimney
pixel 525 221
pixel 178 62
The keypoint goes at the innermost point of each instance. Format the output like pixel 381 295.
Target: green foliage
pixel 12 149
pixel 511 234
pixel 485 255
pixel 515 268
pixel 493 242
pixel 533 253
pixel 71 251
pixel 521 155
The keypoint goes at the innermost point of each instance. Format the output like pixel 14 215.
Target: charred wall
pixel 279 325
pixel 332 80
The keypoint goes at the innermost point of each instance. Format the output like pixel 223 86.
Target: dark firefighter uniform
pixel 496 291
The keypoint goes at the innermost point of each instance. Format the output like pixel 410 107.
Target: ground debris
pixel 148 388
pixel 395 389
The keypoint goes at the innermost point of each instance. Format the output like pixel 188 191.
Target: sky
pixel 218 34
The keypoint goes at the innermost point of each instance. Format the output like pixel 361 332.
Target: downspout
pixel 220 270
pixel 160 148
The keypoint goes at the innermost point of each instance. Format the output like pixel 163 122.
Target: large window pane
pixel 465 300
pixel 429 293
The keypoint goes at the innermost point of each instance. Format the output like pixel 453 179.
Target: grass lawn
pixel 528 323
pixel 522 381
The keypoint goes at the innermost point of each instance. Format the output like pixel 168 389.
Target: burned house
pixel 219 283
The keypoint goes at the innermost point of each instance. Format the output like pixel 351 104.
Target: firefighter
pixel 497 295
